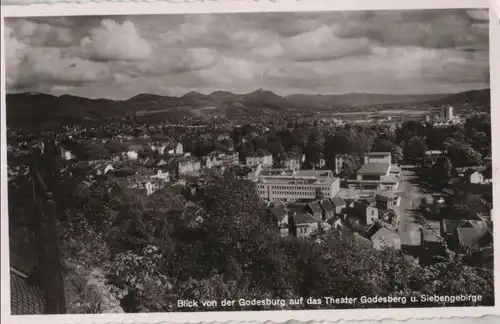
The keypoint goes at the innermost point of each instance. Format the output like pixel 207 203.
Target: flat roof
pixel 374 168
pixel 377 153
pixel 386 181
pixel 297 180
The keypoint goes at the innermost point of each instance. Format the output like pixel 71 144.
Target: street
pixel 410 199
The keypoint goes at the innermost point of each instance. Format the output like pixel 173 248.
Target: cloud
pixel 14 52
pixel 114 41
pixel 420 51
pixel 429 28
pixel 322 44
pixel 44 34
pixel 44 65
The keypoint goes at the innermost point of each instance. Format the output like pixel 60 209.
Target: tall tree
pixel 414 149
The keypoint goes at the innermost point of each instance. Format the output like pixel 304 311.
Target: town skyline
pixel 432 52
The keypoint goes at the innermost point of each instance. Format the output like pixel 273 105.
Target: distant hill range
pixel 28 108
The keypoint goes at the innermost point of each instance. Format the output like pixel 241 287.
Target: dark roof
pixel 469 236
pixel 279 212
pixel 488 173
pixel 338 201
pixel 315 207
pixel 377 153
pixel 367 202
pixel 327 205
pixel 459 213
pixel 374 168
pixel 449 192
pixel 303 218
pixel 25 299
pixel 297 208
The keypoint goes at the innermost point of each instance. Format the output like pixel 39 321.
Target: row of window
pixel 300 188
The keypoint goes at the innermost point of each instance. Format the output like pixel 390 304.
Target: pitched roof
pixel 303 218
pixel 327 205
pixel 315 207
pixel 338 201
pixel 279 212
pixel 469 236
pixel 459 213
pixel 480 168
pixel 25 299
pixel 488 173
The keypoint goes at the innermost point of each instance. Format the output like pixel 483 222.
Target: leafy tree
pixel 414 149
pixel 462 155
pixel 141 276
pixel 441 170
pixel 349 166
pixel 383 145
pixel 115 147
pixel 396 154
pixel 203 147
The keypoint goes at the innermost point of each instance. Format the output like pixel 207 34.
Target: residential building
pixel 365 211
pixel 289 185
pixel 293 162
pixel 264 159
pixel 328 209
pixel 377 157
pixel 302 224
pixel 218 159
pixel 316 210
pixel 339 204
pixel 165 176
pixel 177 149
pixel 339 164
pixel 387 200
pixel 473 177
pixel 188 166
pixel 146 185
pixel 280 215
pixel 181 166
pixel 474 236
pixel 311 208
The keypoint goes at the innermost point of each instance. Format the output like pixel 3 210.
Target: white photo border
pixel 233 6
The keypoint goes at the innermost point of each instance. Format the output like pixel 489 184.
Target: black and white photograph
pixel 254 161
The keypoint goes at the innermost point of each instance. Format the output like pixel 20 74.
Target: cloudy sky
pixel 432 51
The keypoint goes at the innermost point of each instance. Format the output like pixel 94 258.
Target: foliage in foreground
pixel 157 251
